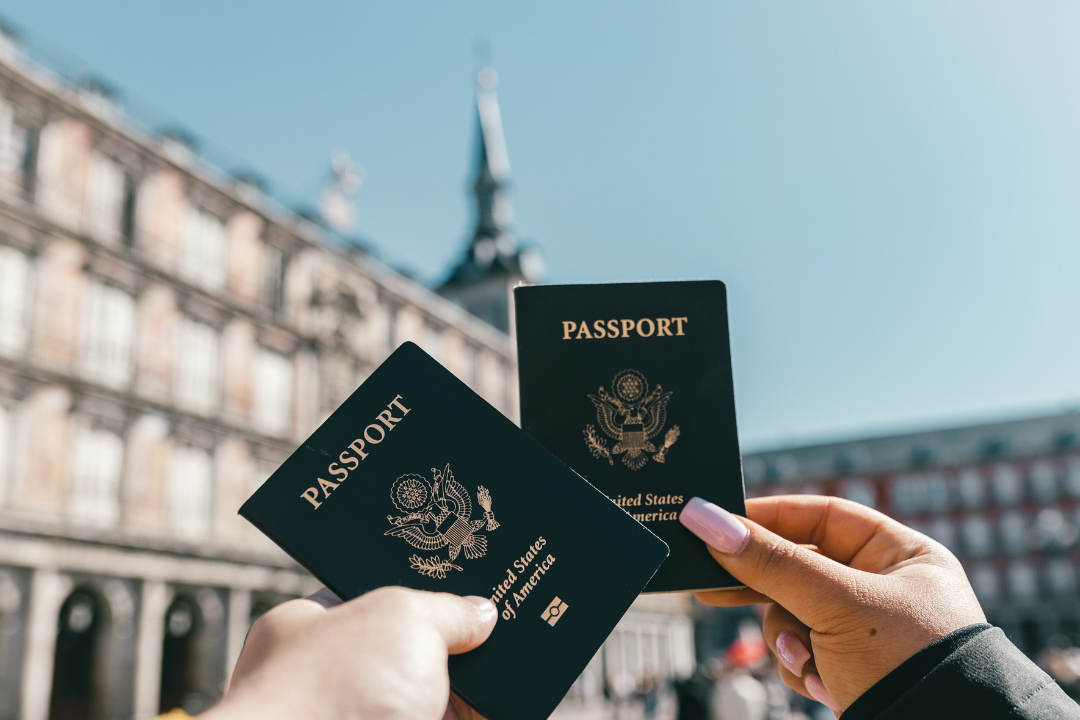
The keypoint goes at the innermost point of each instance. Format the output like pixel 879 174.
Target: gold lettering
pixel 396 402
pixel 387 418
pixel 373 441
pixel 358 450
pixel 312 496
pixel 338 471
pixel 345 458
pixel 613 328
pixel 652 327
pixel 627 326
pixel 663 327
pixel 567 328
pixel 583 331
pixel 678 325
pixel 598 328
pixel 327 486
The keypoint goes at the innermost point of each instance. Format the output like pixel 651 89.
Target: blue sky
pixel 890 189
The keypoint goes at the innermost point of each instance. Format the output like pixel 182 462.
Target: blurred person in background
pixel 738 694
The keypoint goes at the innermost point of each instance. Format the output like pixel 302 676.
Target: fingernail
pixel 792 652
pixel 715 525
pixel 483 603
pixel 817 690
pixel 324 597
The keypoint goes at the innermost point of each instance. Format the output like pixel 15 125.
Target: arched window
pixel 179 656
pixel 75 691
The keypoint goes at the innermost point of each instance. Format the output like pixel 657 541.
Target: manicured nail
pixel 817 690
pixel 715 525
pixel 792 652
pixel 483 603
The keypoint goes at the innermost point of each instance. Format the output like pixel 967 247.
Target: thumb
pixel 807 583
pixel 463 622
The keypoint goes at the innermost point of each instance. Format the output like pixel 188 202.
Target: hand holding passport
pixel 417 481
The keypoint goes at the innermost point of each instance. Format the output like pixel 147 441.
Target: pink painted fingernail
pixel 792 652
pixel 715 525
pixel 817 690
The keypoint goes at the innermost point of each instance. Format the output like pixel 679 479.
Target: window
pixel 14 290
pixel 105 198
pixel 197 367
pixel 1060 576
pixel 908 494
pixel 106 330
pixel 202 259
pixel 272 394
pixel 984 581
pixel 188 493
pixel 97 458
pixel 1023 582
pixel 937 493
pixel 1044 485
pixel 1072 477
pixel 16 150
pixel 858 491
pixel 972 487
pixel 1052 531
pixel 1013 529
pixel 978 536
pixel 1008 490
pixel 127 214
pixel 5 452
pixel 273 277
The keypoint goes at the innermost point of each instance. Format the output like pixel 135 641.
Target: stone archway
pixel 180 677
pixel 75 686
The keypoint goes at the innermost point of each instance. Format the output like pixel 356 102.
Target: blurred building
pixel 167 335
pixel 1004 497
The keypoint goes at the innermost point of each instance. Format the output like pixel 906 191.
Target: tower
pixel 483 280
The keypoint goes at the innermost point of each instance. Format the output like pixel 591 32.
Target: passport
pixel 416 481
pixel 630 385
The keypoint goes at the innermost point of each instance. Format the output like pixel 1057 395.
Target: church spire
pixel 491 174
pixel 493 264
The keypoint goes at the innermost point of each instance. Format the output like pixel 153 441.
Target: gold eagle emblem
pixel 438 515
pixel 632 415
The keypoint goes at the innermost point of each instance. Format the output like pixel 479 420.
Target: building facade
pixel 1003 497
pixel 167 336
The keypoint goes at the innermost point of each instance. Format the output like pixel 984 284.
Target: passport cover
pixel 417 481
pixel 630 385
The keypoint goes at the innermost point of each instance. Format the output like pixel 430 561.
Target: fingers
pixel 790 640
pixel 813 587
pixel 731 598
pixel 787 637
pixel 463 622
pixel 844 531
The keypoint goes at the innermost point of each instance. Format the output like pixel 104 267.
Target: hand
pixel 382 655
pixel 852 593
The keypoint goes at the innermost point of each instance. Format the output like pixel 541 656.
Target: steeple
pixel 493 264
pixel 491 170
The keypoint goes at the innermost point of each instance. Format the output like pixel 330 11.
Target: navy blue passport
pixel 630 385
pixel 417 481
